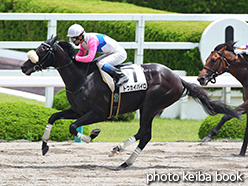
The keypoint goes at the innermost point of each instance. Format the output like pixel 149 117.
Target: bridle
pixel 216 72
pixel 50 52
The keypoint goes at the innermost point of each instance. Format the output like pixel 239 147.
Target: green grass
pixel 181 28
pixel 91 6
pixel 162 130
pixel 11 98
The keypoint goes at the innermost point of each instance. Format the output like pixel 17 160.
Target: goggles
pixel 74 39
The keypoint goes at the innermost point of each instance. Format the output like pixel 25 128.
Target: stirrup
pixel 123 65
pixel 120 81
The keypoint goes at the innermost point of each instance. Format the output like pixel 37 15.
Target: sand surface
pixel 160 163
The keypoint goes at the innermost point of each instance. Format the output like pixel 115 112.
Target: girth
pixel 115 103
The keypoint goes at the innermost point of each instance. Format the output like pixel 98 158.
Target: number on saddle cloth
pixel 136 82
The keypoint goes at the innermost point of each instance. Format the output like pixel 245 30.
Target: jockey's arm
pixel 82 51
pixel 92 43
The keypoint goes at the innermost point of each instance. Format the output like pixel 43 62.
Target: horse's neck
pixel 72 73
pixel 239 70
pixel 72 76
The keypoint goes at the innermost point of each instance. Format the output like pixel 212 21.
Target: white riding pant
pixel 115 58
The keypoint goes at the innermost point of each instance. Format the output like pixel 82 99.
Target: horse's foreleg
pixel 88 118
pixel 45 138
pixel 245 141
pixel 216 129
pixel 94 133
pixel 224 119
pixel 66 114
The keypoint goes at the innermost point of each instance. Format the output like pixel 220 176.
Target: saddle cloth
pixel 136 82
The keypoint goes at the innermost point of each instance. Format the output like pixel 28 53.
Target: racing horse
pixel 221 60
pixel 90 97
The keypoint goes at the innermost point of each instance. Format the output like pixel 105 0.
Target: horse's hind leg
pixel 144 135
pixel 122 146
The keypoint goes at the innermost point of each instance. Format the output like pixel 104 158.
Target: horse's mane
pixel 67 47
pixel 229 46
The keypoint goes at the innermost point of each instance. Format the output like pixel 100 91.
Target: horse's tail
pixel 211 107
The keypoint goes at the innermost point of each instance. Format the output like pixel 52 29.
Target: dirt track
pixel 69 163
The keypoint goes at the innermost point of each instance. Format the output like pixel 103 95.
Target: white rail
pixel 51 79
pixel 56 81
pixel 139 45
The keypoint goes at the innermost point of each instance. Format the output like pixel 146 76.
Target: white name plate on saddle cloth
pixel 137 80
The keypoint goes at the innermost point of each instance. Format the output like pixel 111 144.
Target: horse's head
pixel 217 63
pixel 43 57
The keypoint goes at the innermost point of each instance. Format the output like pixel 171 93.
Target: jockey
pixel 113 53
pixel 242 50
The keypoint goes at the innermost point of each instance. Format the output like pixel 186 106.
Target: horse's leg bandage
pixel 47 132
pixel 84 138
pixel 133 156
pixel 126 143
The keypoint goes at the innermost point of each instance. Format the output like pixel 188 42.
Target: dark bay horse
pixel 90 97
pixel 221 60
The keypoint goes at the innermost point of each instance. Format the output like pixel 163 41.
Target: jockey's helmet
pixel 75 30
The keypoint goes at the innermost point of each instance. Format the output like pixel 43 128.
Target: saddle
pixel 134 72
pixel 136 82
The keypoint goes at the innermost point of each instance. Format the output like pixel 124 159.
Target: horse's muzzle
pixel 27 71
pixel 202 80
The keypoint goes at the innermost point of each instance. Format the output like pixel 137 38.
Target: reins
pixel 50 52
pixel 216 72
pixel 75 92
pixel 64 65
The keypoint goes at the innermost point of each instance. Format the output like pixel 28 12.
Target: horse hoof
pixel 45 148
pixel 124 165
pixel 237 155
pixel 94 133
pixel 113 153
pixel 206 139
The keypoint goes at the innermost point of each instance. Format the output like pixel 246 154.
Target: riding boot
pixel 116 73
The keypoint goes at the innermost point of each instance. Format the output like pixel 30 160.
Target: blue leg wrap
pixel 108 67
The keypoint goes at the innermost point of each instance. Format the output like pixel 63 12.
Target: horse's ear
pixel 54 39
pixel 234 43
pixel 223 49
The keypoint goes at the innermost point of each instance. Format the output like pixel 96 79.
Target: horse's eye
pixel 43 48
